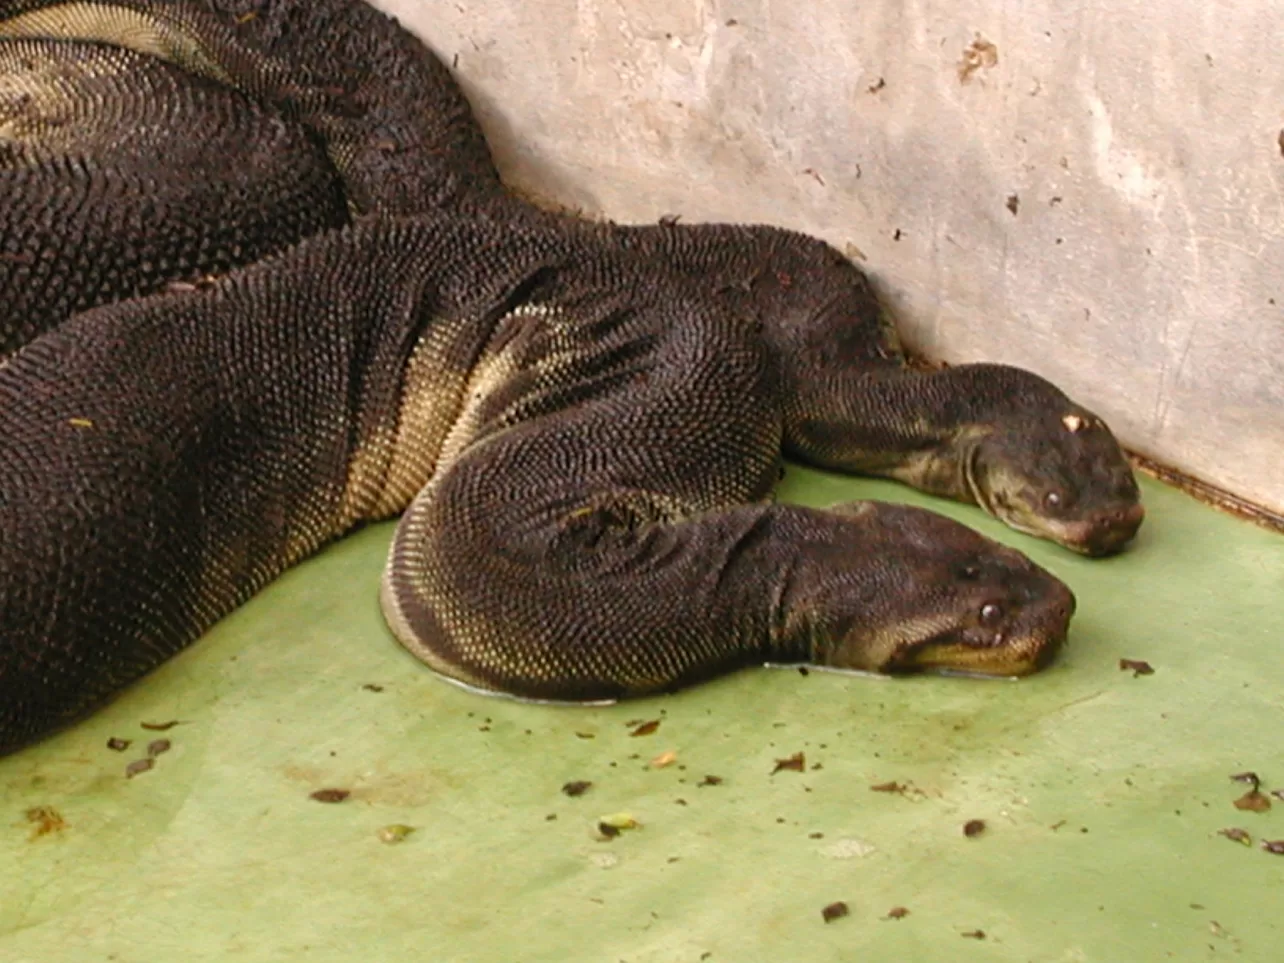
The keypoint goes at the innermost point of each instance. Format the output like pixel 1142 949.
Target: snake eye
pixel 991 613
pixel 1053 499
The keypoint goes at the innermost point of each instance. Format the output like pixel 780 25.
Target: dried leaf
pixel 330 795
pixel 1275 846
pixel 973 935
pixel 710 781
pixel 646 728
pixel 395 833
pixel 138 766
pixel 834 911
pixel 159 726
pixel 158 746
pixel 118 745
pixel 1253 801
pixel 889 787
pixel 795 763
pixel 1137 667
pixel 664 759
pixel 619 821
pixel 371 687
pixel 45 820
pixel 973 827
pixel 1237 835
pixel 577 788
pixel 897 913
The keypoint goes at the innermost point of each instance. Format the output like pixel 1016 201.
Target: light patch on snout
pixel 1073 423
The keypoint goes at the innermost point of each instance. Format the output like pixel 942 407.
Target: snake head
pixel 1059 475
pixel 909 590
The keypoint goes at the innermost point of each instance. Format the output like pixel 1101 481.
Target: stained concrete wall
pixel 1093 191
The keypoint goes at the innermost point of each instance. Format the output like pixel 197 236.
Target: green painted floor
pixel 1102 793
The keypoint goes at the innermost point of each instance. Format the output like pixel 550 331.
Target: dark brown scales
pixel 587 417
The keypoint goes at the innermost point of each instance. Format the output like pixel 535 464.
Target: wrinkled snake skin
pixel 579 424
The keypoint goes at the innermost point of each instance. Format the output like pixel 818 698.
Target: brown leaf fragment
pixel 664 759
pixel 1236 835
pixel 834 911
pixel 118 745
pixel 371 687
pixel 396 833
pixel 646 728
pixel 44 821
pixel 158 746
pixel 1013 204
pixel 159 726
pixel 795 763
pixel 973 935
pixel 138 767
pixel 585 735
pixel 888 787
pixel 1136 666
pixel 876 86
pixel 330 795
pixel 1253 801
pixel 1252 778
pixel 979 53
pixel 577 788
pixel 1274 846
pixel 710 781
pixel 973 827
pixel 1278 793
pixel 897 913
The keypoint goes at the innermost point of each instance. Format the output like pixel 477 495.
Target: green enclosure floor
pixel 1102 793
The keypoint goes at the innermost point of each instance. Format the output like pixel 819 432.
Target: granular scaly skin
pixel 87 213
pixel 581 423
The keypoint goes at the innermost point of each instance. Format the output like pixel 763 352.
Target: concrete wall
pixel 1093 191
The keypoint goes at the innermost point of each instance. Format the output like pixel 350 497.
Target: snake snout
pixel 1107 532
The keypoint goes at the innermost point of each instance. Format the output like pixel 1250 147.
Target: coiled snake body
pixel 327 310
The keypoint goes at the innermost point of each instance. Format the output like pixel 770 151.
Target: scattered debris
pixel 795 763
pixel 1057 825
pixel 118 745
pixel 577 788
pixel 45 820
pixel 834 911
pixel 973 827
pixel 371 687
pixel 980 53
pixel 1278 793
pixel 609 827
pixel 396 833
pixel 160 726
pixel 1281 141
pixel 1275 846
pixel 646 728
pixel 848 849
pixel 1136 666
pixel 889 787
pixel 585 735
pixel 815 174
pixel 802 669
pixel 973 935
pixel 1013 204
pixel 897 913
pixel 138 767
pixel 330 795
pixel 669 220
pixel 1236 835
pixel 853 253
pixel 876 86
pixel 80 422
pixel 710 781
pixel 664 759
pixel 158 746
pixel 1254 800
